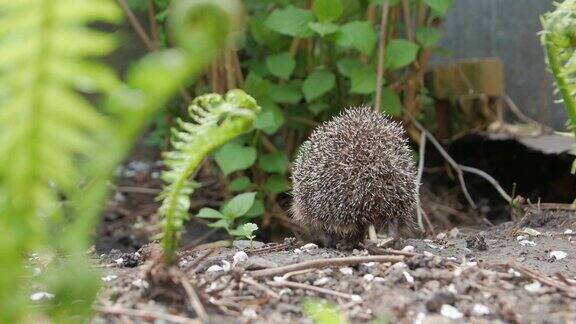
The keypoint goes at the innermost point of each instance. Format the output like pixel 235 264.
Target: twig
pixel 149 315
pixel 287 275
pixel 421 160
pixel 381 49
pixel 534 274
pixel 460 168
pixel 193 298
pixel 488 178
pixel 260 286
pixel 407 20
pixel 322 263
pixel 153 23
pixel 516 111
pixel 298 285
pixel 136 25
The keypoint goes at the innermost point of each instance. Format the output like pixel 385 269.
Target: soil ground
pixel 523 271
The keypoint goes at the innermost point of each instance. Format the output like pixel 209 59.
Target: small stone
pixel 408 278
pixel 140 283
pixel 558 255
pixel 454 233
pixel 347 271
pixel 514 272
pixel 214 268
pixel 309 246
pixel 226 266
pixel 279 279
pixel 239 258
pixel 297 251
pixel 119 261
pixel 438 299
pixel 42 295
pixel 369 264
pixel 531 231
pixel 527 243
pixel 249 313
pixel 109 278
pixel 451 312
pixel 480 310
pixel 321 281
pixel 534 287
pixel 408 248
pixel 356 298
pixel 368 277
pixel 441 236
pixel 428 254
pixel 477 242
pixel 568 231
pixel 520 237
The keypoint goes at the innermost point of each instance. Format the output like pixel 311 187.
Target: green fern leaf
pixel 216 120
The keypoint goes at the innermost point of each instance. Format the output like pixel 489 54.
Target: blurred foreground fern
pixel 54 143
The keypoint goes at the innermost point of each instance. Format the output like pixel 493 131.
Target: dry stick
pixel 407 20
pixel 136 25
pixel 260 286
pixel 421 153
pixel 230 71
pixel 153 23
pixel 520 115
pixel 151 46
pixel 381 49
pixel 449 159
pixel 298 285
pixel 488 178
pixel 193 299
pixel 322 263
pixel 570 291
pixel 145 314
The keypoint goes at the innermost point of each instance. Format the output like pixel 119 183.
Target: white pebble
pixel 249 313
pixel 279 279
pixel 309 246
pixel 530 231
pixel 451 312
pixel 297 251
pixel 441 236
pixel 568 231
pixel 285 291
pixel 140 283
pixel 408 277
pixel 369 264
pixel 451 288
pixel 514 272
pixel 347 271
pixel 368 277
pixel 109 278
pixel 321 281
pixel 480 310
pixel 214 268
pixel 534 287
pixel 558 255
pixel 408 248
pixel 119 261
pixel 226 266
pixel 356 298
pixel 527 242
pixel 239 257
pixel 428 254
pixel 42 295
pixel 454 232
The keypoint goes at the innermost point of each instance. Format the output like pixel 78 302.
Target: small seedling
pixel 231 214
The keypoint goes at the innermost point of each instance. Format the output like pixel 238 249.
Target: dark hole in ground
pixel 536 175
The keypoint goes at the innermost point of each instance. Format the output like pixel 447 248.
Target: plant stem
pixel 381 49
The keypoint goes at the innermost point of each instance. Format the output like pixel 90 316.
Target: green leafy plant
pixel 229 216
pixel 216 120
pixel 559 41
pixel 322 312
pixel 58 152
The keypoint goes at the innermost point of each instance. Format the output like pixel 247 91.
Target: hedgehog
pixel 353 172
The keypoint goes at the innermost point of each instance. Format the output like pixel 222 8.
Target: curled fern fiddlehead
pixel 216 120
pixel 559 41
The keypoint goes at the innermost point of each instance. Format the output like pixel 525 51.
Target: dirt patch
pixel 521 271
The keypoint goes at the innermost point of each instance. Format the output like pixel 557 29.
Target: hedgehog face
pixel 354 171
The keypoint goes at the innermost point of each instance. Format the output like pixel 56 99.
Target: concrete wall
pixel 506 29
